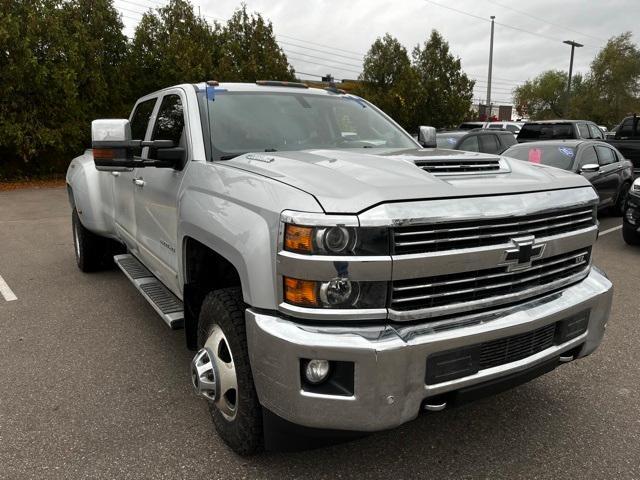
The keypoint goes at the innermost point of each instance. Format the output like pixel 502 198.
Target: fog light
pixel 339 291
pixel 316 371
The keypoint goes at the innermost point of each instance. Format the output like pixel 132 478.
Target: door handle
pixel 139 182
pixel 115 174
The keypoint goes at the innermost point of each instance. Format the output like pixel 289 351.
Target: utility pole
pixel 490 69
pixel 573 47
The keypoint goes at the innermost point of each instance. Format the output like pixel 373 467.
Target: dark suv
pixel 478 140
pixel 559 130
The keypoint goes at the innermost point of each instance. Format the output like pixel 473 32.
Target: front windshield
pixel 559 156
pixel 243 122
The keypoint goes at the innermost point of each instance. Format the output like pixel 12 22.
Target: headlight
pixel 635 187
pixel 337 293
pixel 336 240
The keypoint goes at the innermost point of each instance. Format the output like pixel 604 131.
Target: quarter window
pixel 140 121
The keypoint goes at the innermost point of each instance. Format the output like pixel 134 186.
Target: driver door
pixel 156 195
pixel 123 186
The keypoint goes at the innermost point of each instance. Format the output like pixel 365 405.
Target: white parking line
pixel 604 232
pixel 6 292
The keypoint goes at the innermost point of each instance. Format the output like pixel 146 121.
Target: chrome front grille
pixel 449 293
pixel 445 236
pixel 474 165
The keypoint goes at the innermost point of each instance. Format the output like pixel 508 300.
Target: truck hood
pixel 351 181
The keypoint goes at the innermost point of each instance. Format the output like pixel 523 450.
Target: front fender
pixel 237 214
pixel 91 194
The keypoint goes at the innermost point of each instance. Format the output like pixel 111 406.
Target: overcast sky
pixel 331 36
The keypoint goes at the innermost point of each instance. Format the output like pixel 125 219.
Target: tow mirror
pixel 113 148
pixel 590 168
pixel 427 137
pixel 111 143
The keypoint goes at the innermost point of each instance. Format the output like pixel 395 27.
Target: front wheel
pixel 90 249
pixel 630 235
pixel 221 371
pixel 618 208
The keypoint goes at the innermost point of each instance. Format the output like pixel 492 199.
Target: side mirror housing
pixel 590 168
pixel 112 145
pixel 427 137
pixel 113 148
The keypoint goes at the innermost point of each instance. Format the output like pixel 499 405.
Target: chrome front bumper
pixel 390 360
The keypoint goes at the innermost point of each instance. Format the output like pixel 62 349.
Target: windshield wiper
pixel 270 150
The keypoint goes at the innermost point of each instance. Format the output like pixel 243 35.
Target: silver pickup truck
pixel 330 272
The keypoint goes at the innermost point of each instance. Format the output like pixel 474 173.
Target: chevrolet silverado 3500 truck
pixel 330 272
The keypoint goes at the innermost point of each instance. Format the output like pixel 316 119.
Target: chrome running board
pixel 165 303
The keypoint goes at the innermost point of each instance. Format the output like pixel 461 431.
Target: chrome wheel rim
pixel 226 398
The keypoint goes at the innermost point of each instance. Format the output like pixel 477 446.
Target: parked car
pixel 627 140
pixel 631 217
pixel 513 127
pixel 600 163
pixel 559 130
pixel 470 125
pixel 478 140
pixel 331 281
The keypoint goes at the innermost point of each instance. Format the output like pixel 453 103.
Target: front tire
pixel 621 201
pixel 630 235
pixel 236 411
pixel 91 250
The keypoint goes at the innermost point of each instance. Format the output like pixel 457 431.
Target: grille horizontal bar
pixel 478 233
pixel 488 285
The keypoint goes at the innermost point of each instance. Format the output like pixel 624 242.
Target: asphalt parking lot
pixel 94 385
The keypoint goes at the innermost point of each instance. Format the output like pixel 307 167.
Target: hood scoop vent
pixel 461 166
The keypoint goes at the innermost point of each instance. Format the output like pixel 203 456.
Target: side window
pixel 584 130
pixel 626 129
pixel 507 141
pixel 169 122
pixel 140 120
pixel 596 132
pixel 470 144
pixel 588 157
pixel 605 155
pixel 513 128
pixel 489 144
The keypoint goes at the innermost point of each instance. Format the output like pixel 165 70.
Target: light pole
pixel 490 69
pixel 573 47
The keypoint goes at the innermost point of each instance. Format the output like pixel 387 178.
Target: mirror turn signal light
pixel 298 239
pixel 103 153
pixel 300 292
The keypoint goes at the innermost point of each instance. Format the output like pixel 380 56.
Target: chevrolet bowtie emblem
pixel 525 250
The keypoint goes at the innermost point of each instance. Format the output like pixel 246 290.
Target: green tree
pixel 171 45
pixel 39 102
pixel 389 81
pixel 544 96
pixel 446 92
pixel 249 51
pixel 613 83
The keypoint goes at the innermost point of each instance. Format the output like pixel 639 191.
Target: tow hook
pixel 204 376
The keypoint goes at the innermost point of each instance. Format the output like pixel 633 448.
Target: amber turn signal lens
pixel 103 153
pixel 300 292
pixel 298 239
